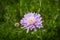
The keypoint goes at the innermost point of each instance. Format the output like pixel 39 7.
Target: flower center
pixel 31 20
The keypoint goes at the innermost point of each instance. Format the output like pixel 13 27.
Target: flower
pixel 31 21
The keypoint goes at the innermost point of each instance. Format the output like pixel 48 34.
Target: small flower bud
pixel 16 24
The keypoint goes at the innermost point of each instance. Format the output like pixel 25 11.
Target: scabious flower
pixel 31 21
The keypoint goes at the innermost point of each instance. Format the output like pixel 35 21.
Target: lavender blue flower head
pixel 31 21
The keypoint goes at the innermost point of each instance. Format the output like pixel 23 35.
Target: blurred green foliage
pixel 12 11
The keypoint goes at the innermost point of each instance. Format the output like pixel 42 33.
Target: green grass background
pixel 12 11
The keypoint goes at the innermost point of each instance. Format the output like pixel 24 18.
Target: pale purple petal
pixel 35 30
